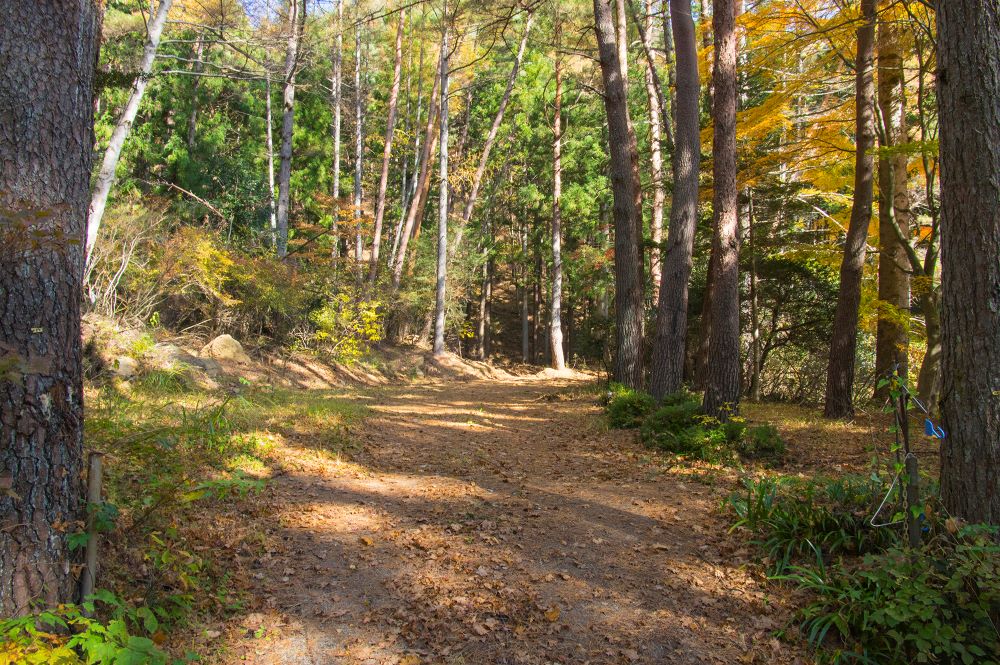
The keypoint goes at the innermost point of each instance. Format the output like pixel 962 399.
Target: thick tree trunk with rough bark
pixel 844 344
pixel 670 343
pixel 296 25
pixel 627 211
pixel 722 388
pixel 390 127
pixel 106 176
pixel 555 319
pixel 442 248
pixel 892 336
pixel 49 50
pixel 968 83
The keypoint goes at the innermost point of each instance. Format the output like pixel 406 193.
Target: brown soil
pixel 499 522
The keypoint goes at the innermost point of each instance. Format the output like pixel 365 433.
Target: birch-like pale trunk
pixel 421 183
pixel 555 318
pixel 359 132
pixel 270 165
pixel 442 249
pixel 106 176
pixel 654 95
pixel 337 102
pixel 621 40
pixel 390 127
pixel 484 158
pixel 296 24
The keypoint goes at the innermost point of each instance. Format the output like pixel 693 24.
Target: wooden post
pixel 912 477
pixel 93 499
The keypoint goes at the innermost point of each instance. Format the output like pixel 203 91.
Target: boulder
pixel 225 348
pixel 126 367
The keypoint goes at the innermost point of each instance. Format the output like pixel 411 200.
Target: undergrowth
pixel 177 461
pixel 677 425
pixel 873 600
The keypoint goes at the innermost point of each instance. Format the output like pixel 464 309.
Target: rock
pixel 167 356
pixel 224 347
pixel 126 367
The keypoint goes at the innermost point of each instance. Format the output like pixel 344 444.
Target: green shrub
pixel 937 604
pixel 628 408
pixel 762 442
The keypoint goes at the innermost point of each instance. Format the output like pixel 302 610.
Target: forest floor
pixel 499 521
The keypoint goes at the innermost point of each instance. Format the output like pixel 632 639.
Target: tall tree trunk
pixel 49 51
pixel 621 41
pixel 359 145
pixel 410 185
pixel 270 164
pixel 627 205
pixel 555 322
pixel 843 346
pixel 296 25
pixel 525 304
pixel 654 96
pixel 756 353
pixel 442 249
pixel 722 388
pixel 477 178
pixel 968 84
pixel 197 66
pixel 669 346
pixel 422 185
pixel 106 176
pixel 892 338
pixel 387 151
pixel 336 100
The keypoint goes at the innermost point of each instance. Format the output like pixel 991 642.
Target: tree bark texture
pixel 968 84
pixel 655 102
pixel 336 100
pixel 48 55
pixel 627 210
pixel 670 343
pixel 722 388
pixel 844 344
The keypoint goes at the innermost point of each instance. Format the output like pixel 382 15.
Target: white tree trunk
pixel 656 116
pixel 338 76
pixel 555 319
pixel 296 23
pixel 442 250
pixel 359 131
pixel 270 167
pixel 106 177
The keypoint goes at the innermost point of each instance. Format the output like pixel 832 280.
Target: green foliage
pixel 627 408
pixel 347 326
pixel 71 635
pixel 678 426
pixel 793 519
pixel 936 604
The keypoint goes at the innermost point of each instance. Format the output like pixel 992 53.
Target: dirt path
pixel 497 522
